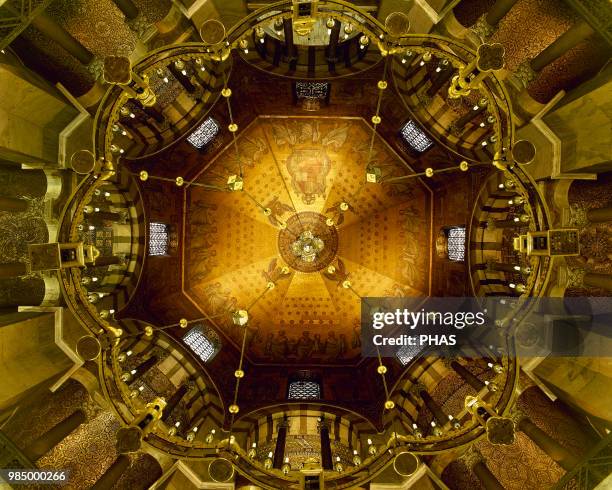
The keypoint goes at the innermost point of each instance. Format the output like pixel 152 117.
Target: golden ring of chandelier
pixel 489 58
pixel 235 183
pixel 462 84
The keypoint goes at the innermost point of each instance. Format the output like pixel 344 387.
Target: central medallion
pixel 308 244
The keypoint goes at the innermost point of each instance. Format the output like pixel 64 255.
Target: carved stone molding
pixel 482 28
pixel 96 68
pixel 575 278
pixel 139 25
pixel 525 74
pixel 472 457
pixel 578 216
pixel 517 416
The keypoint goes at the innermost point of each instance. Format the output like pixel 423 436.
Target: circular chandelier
pixel 307 246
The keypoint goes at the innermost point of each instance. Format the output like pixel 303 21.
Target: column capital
pixel 416 388
pixel 424 99
pixel 525 74
pixel 472 457
pixel 578 215
pixel 482 28
pixel 96 67
pixel 575 278
pixel 140 25
pixel 283 423
pixel 455 129
pixel 91 409
pixel 323 423
pixel 517 416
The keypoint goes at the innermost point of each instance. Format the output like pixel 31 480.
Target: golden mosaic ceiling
pixel 302 169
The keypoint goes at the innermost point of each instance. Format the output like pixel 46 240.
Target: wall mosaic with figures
pixel 232 249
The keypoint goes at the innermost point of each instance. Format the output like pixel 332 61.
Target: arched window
pixel 304 386
pixel 414 137
pixel 407 353
pixel 312 90
pixel 455 243
pixel 204 133
pixel 204 342
pixel 312 94
pixel 159 238
pixel 304 390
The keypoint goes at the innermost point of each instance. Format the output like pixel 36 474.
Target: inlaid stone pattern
pixel 87 452
pixel 49 59
pixel 98 25
pixel 37 416
pixel 142 473
pixel 20 229
pixel 529 27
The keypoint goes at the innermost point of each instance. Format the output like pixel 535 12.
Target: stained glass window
pixel 203 342
pixel 304 390
pixel 311 90
pixel 204 133
pixel 414 137
pixel 456 243
pixel 159 239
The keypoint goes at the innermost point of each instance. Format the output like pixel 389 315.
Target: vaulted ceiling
pixel 229 249
pixel 302 169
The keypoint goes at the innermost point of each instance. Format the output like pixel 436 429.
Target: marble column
pixel 16 182
pixel 182 79
pixel 528 70
pixel 570 38
pixel 477 464
pixel 291 49
pixel 596 280
pixel 13 269
pixel 467 117
pixel 174 401
pixel 498 266
pixel 437 83
pixel 128 8
pixel 140 370
pixel 21 291
pixel 467 376
pixel 200 416
pixel 556 451
pixel 54 436
pixel 326 452
pixel 105 215
pixel 112 475
pixel 600 215
pixel 498 11
pixel 334 37
pixel 47 26
pixel 434 408
pixel 281 439
pixel 504 223
pixel 110 260
pixel 13 204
